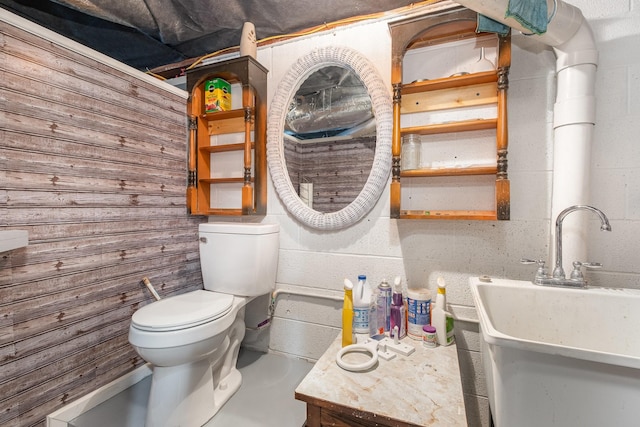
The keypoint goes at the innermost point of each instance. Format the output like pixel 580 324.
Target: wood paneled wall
pixel 93 165
pixel 338 169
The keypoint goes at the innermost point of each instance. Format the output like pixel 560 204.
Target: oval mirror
pixel 300 120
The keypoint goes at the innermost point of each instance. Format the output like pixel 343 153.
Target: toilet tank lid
pixel 239 228
pixel 182 311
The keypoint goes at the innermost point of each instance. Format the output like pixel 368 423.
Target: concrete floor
pixel 265 398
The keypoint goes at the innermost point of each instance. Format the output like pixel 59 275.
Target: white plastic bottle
pixel 442 320
pixel 361 305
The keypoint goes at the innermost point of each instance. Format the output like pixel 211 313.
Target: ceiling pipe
pixel 570 36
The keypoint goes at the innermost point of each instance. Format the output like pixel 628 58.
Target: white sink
pixel 13 239
pixel 560 357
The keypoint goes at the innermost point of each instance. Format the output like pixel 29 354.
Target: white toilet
pixel 192 340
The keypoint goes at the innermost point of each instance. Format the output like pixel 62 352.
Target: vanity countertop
pixel 422 389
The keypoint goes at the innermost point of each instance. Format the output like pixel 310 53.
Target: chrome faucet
pixel 558 277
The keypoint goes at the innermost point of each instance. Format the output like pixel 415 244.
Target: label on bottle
pixel 419 315
pixel 384 307
pixel 361 320
pixel 429 337
pixel 450 333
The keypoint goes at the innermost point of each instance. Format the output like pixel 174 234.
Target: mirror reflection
pixel 330 138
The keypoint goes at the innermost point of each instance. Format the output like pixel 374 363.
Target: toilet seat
pixel 182 311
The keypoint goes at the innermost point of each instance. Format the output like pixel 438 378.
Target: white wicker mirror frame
pixel 383 111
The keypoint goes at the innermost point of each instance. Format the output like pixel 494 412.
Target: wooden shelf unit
pixel 449 93
pixel 251 118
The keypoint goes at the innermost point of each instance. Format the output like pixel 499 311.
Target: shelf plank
pixel 445 99
pixel 225 147
pixel 220 211
pixel 450 82
pixel 223 115
pixel 451 214
pixel 461 126
pixel 221 180
pixel 427 172
pixel 226 126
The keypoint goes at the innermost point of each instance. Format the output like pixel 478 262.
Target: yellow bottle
pixel 347 314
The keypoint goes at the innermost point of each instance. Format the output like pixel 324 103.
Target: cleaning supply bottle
pixel 376 315
pixel 361 305
pixel 442 320
pixel 398 312
pixel 384 303
pixel 347 314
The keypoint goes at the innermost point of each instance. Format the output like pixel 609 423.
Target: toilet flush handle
pixel 203 240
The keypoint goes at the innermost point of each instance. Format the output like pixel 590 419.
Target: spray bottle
pixel 376 315
pixel 442 320
pixel 398 311
pixel 384 304
pixel 348 337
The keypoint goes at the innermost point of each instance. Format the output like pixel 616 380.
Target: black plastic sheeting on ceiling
pixel 146 34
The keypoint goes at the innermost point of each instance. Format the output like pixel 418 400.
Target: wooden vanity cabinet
pixel 459 91
pixel 326 414
pixel 249 120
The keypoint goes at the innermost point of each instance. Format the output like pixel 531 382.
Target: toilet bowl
pixel 192 339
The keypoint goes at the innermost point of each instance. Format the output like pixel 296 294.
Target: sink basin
pixel 13 239
pixel 559 357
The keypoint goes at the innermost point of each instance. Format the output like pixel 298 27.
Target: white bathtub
pixel 560 357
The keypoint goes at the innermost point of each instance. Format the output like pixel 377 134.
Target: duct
pixel 574 110
pixel 331 102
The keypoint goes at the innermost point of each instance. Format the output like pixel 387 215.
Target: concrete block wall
pixel 420 251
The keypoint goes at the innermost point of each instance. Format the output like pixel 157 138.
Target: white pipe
pixel 574 111
pixel 573 122
pixel 271 309
pixel 313 294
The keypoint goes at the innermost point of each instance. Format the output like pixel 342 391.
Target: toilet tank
pixel 239 258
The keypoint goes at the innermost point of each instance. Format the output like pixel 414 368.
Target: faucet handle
pixel 576 274
pixel 592 264
pixel 531 261
pixel 542 269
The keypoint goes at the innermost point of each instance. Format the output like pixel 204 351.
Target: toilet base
pixel 190 394
pixel 184 396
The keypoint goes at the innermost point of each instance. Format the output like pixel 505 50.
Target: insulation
pixel 150 33
pixel 331 101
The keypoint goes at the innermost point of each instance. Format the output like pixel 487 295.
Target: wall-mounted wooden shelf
pixel 225 147
pixel 461 91
pixel 249 121
pixel 449 127
pixel 430 172
pixel 457 214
